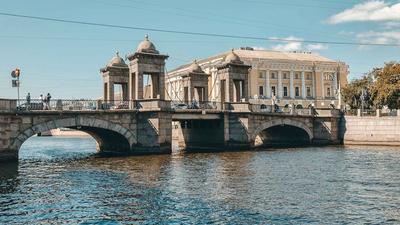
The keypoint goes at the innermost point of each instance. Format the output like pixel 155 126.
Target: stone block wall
pixel 370 130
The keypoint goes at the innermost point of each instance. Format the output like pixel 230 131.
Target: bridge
pixel 146 121
pixel 151 126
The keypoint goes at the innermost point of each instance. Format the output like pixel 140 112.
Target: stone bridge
pixel 151 130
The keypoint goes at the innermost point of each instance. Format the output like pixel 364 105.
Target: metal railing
pixel 262 108
pixel 389 112
pixel 372 112
pixel 204 105
pixel 73 105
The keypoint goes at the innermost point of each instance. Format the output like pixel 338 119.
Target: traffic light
pixel 15 73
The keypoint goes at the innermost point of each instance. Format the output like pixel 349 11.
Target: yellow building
pixel 283 78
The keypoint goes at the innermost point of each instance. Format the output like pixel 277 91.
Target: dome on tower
pixel 195 68
pixel 117 61
pixel 146 46
pixel 233 58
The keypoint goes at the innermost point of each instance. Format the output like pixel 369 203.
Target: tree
pixel 386 88
pixel 352 92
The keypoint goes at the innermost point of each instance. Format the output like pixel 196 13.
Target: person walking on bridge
pixel 28 101
pixel 48 98
pixel 42 101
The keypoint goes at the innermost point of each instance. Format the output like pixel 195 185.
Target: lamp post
pixel 363 97
pixel 15 81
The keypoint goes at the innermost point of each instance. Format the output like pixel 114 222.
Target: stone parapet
pixel 8 105
pixel 370 130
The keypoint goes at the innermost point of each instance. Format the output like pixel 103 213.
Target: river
pixel 60 180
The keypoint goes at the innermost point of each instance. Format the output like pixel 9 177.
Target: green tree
pixel 352 92
pixel 386 87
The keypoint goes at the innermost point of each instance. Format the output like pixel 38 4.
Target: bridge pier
pixel 154 132
pixel 8 155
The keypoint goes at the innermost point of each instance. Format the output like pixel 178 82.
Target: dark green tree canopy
pixel 381 85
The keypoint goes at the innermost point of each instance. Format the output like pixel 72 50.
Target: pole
pixel 18 90
pixel 362 101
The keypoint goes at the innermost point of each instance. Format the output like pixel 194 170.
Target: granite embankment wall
pixel 370 130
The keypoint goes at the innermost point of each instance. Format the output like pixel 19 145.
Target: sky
pixel 64 59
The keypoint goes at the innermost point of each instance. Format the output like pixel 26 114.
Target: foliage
pixel 352 92
pixel 381 85
pixel 386 88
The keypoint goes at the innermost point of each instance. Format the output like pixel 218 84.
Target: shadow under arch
pixel 282 133
pixel 110 137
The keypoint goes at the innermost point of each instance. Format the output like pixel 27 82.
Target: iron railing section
pixel 262 108
pixel 204 105
pixel 350 112
pixel 389 112
pixel 73 105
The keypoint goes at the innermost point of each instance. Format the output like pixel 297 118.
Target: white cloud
pixel 382 37
pixel 368 11
pixel 391 25
pixel 295 44
pixel 258 48
pixel 318 46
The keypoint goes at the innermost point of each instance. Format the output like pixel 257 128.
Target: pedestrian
pixel 48 98
pixel 28 101
pixel 42 101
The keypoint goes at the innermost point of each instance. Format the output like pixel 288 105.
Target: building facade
pixel 282 78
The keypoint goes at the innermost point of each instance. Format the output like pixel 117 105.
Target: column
pixel 313 83
pixel 280 88
pixel 125 92
pixel 267 86
pixel 303 86
pixel 110 91
pixel 322 86
pixel 335 81
pixel 291 85
pixel 105 91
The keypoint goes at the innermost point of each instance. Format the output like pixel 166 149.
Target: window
pixel 329 76
pixel 261 90
pixel 285 75
pixel 285 93
pixel 297 91
pixel 296 76
pixel 308 91
pixel 328 92
pixel 273 75
pixel 308 76
pixel 260 74
pixel 273 91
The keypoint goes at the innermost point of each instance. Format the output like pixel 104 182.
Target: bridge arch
pixel 282 130
pixel 110 136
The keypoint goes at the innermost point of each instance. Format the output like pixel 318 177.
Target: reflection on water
pixel 60 180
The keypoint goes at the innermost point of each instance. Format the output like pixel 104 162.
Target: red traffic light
pixel 16 73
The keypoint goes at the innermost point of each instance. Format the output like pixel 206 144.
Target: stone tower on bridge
pixel 195 84
pixel 146 72
pixel 233 75
pixel 116 72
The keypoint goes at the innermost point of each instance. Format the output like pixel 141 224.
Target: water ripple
pixel 61 181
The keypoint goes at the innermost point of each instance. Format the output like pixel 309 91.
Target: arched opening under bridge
pixel 283 135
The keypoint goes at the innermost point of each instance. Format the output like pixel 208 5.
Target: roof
pixel 268 55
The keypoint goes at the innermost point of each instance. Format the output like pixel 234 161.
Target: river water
pixel 61 181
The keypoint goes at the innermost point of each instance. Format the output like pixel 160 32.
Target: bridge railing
pixel 74 105
pixel 8 104
pixel 263 108
pixel 372 113
pixel 204 105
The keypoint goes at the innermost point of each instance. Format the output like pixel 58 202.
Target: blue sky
pixel 64 59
